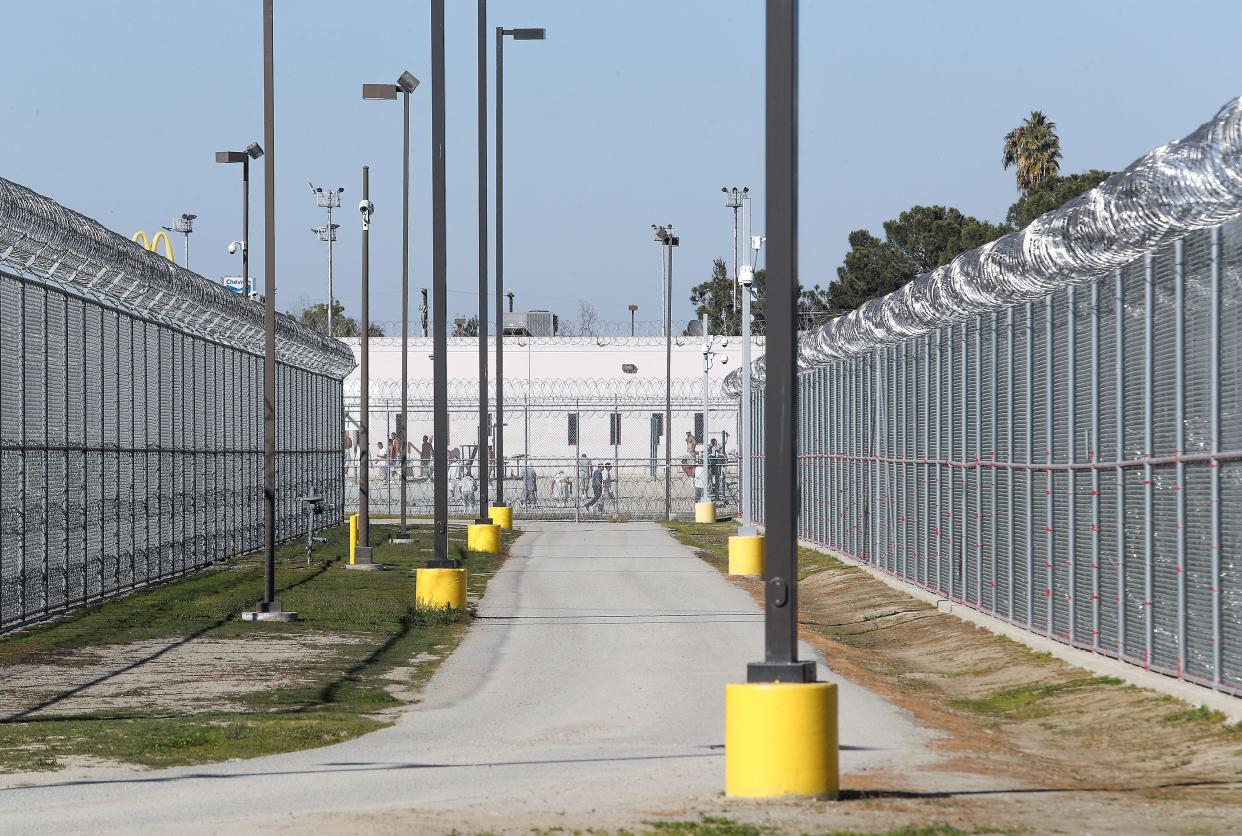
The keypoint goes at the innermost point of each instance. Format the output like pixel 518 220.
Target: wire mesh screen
pixel 1070 465
pixel 572 450
pixel 131 451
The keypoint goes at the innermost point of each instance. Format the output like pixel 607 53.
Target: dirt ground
pixel 161 676
pixel 1029 743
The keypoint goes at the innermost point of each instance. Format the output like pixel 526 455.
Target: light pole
pixel 633 310
pixel 269 609
pixel 733 200
pixel 781 725
pixel 362 553
pixel 328 199
pixel 439 283
pixel 253 152
pixel 746 278
pixel 664 236
pixel 517 35
pixel 483 518
pixel 406 84
pixel 510 294
pixel 709 356
pixel 184 225
pixel 422 309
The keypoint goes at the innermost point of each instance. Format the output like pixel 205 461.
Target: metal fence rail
pixel 553 427
pixel 130 416
pixel 1071 465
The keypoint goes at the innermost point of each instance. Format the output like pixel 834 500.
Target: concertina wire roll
pixel 40 237
pixel 1188 184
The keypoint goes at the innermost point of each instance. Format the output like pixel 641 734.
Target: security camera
pixel 233 248
pixel 366 207
pixel 724 361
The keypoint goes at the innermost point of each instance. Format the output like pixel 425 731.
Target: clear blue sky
pixel 632 112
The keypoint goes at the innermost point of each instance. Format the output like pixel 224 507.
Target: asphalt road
pixel 592 681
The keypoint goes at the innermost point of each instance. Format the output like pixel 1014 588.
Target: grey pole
pixel 669 242
pixel 482 104
pixel 403 434
pixel 246 227
pixel 781 394
pixel 331 238
pixel 439 285
pixel 500 270
pixel 747 528
pixel 269 602
pixel 521 35
pixel 707 364
pixel 362 552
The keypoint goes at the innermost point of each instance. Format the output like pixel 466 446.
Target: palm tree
pixel 1033 148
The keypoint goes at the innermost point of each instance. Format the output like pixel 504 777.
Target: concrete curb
pixel 1196 695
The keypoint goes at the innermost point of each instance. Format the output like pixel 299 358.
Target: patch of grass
pixel 336 695
pixel 1024 703
pixel 708 826
pixel 712 542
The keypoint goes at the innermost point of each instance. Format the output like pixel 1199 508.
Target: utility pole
pixel 733 200
pixel 665 237
pixel 184 225
pixel 328 199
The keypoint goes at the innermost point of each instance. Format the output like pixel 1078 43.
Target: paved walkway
pixel 593 680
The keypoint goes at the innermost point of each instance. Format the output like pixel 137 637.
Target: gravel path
pixel 592 683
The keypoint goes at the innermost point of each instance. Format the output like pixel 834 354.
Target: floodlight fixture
pixel 255 150
pixel 373 92
pixel 231 156
pixel 407 82
pixel 527 34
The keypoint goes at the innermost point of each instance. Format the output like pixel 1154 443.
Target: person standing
pixel 584 476
pixel 607 479
pixel 597 488
pixel 424 458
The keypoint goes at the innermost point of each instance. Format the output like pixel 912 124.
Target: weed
pixel 1022 703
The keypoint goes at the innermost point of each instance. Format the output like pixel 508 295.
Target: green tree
pixel 1052 194
pixel 714 297
pixel 920 239
pixel 1034 150
pixel 316 316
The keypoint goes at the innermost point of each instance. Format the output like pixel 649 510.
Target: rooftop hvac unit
pixel 530 324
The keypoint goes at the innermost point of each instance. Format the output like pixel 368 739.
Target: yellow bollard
pixel 353 535
pixel 746 555
pixel 704 512
pixel 502 515
pixel 483 537
pixel 439 588
pixel 781 740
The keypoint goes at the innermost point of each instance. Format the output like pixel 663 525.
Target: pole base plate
pixel 794 672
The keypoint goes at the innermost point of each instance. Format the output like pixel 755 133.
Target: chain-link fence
pixel 131 417
pixel 558 434
pixel 1070 463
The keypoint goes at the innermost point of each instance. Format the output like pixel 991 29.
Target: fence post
pixel 1179 445
pixel 1149 371
pixel 1214 431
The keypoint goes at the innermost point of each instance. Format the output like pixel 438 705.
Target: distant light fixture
pixel 380 91
pixel 629 368
pixel 254 150
pixel 407 82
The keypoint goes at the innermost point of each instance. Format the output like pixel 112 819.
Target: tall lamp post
pixel 517 35
pixel 633 310
pixel 185 226
pixel 781 725
pixel 328 199
pixel 362 552
pixel 733 200
pixel 665 237
pixel 269 609
pixel 484 435
pixel 406 84
pixel 253 152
